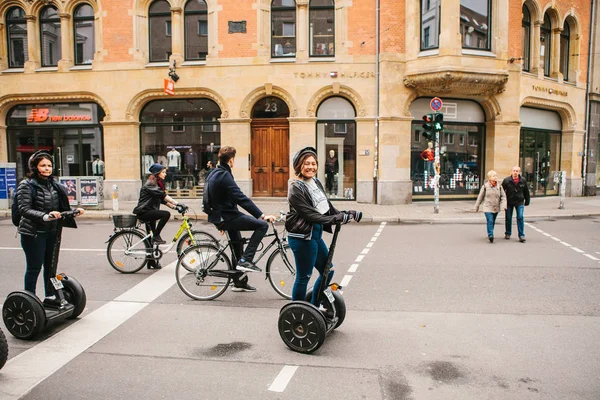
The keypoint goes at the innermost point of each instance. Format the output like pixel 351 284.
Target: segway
pixel 25 316
pixel 3 349
pixel 304 326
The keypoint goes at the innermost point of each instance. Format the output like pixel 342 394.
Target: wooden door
pixel 270 159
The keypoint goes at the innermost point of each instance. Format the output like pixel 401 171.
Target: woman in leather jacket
pixel 41 200
pixel 310 214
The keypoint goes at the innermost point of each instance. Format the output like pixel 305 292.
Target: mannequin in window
pixel 97 166
pixel 173 164
pixel 332 168
pixel 428 157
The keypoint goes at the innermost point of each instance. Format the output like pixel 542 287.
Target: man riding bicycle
pixel 224 195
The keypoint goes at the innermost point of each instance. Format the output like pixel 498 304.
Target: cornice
pixel 457 83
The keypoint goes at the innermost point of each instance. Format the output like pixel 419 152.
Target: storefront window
pixel 184 136
pixel 336 148
pixel 539 154
pixel 70 131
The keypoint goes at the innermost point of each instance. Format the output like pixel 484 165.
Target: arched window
pixel 196 30
pixel 475 24
pixel 83 23
pixel 430 24
pixel 321 29
pixel 50 36
pixel 16 30
pixel 159 20
pixel 546 44
pixel 565 39
pixel 526 24
pixel 283 28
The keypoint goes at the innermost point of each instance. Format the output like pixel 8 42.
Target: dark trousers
pixel 38 252
pixel 329 182
pixel 245 223
pixel 152 216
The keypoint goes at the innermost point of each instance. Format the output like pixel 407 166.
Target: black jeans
pixel 38 251
pixel 153 215
pixel 245 223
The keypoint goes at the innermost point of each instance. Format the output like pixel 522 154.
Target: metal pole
pixel 115 198
pixel 563 189
pixel 436 180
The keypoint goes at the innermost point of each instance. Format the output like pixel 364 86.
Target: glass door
pixel 539 160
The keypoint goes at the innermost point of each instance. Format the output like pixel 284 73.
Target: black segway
pixel 3 349
pixel 304 326
pixel 25 315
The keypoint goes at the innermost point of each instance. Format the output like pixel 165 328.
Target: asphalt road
pixel 434 312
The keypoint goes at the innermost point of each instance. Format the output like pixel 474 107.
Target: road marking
pixel 591 257
pixel 353 268
pixel 373 239
pixel 555 238
pixel 377 234
pixel 284 377
pixel 61 249
pixel 19 377
pixel 546 234
pixel 577 250
pixel 365 251
pixel 359 258
pixel 345 280
pixel 370 244
pixel 566 244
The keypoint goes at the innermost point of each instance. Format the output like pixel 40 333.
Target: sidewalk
pixel 450 212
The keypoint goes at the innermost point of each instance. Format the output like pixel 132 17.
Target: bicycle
pixel 204 271
pixel 129 248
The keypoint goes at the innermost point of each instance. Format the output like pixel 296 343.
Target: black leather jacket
pixel 49 196
pixel 303 214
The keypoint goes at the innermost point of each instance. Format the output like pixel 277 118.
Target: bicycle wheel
pixel 199 237
pixel 120 244
pixel 281 271
pixel 202 273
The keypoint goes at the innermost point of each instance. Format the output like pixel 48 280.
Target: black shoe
pixel 243 287
pixel 522 239
pixel 247 266
pixel 154 265
pixel 507 237
pixel 52 301
pixel 158 240
pixel 327 313
pixel 491 239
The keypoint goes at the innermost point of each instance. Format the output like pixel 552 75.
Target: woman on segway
pixel 310 214
pixel 41 199
pixel 152 195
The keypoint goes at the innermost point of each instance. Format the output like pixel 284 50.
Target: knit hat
pixel 298 157
pixel 156 169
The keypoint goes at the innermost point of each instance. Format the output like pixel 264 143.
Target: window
pixel 461 140
pixel 50 36
pixel 526 24
pixel 546 44
pixel 283 28
pixel 196 30
pixel 475 22
pixel 449 138
pixel 321 28
pixel 565 39
pixel 177 118
pixel 159 20
pixel 17 37
pixel 430 24
pixel 83 22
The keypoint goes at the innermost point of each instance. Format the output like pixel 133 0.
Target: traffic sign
pixel 436 104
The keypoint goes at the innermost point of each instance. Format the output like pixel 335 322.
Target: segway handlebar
pixel 66 214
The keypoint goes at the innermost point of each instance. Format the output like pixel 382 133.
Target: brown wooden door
pixel 270 159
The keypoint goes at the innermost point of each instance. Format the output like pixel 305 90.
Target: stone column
pixel 33 47
pixel 66 43
pixel 236 133
pixel 535 61
pixel 502 147
pixel 302 134
pixel 302 31
pixel 177 41
pixel 394 185
pixel 122 159
pixel 450 38
pixel 365 159
pixel 555 60
pixel 571 160
pixel 3 144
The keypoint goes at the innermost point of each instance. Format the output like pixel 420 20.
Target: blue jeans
pixel 491 221
pixel 308 254
pixel 520 220
pixel 38 251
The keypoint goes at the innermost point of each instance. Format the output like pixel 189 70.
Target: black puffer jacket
pixel 299 221
pixel 49 196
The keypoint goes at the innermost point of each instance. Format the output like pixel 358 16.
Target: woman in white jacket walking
pixel 492 199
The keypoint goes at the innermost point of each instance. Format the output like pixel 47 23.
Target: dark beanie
pixel 155 169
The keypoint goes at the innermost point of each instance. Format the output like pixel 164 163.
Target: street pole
pixel 436 180
pixel 563 189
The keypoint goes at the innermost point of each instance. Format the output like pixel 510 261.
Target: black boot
pixel 153 264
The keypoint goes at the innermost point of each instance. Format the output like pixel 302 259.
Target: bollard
pixel 563 189
pixel 115 198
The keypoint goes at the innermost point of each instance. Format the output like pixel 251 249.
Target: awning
pixel 28 148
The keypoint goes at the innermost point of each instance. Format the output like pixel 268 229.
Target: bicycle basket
pixel 125 221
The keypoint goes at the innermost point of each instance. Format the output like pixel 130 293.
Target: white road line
pixel 377 234
pixel 353 268
pixel 61 249
pixel 19 376
pixel 565 244
pixel 345 280
pixel 547 234
pixel 359 258
pixel 577 250
pixel 384 223
pixel 365 251
pixel 591 257
pixel 284 377
pixel 373 239
pixel 370 244
pixel 555 238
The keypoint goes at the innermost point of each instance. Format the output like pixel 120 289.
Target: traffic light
pixel 428 127
pixel 439 122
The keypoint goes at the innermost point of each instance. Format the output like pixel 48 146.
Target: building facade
pixel 85 78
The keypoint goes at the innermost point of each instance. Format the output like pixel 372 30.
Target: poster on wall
pixel 89 191
pixel 71 184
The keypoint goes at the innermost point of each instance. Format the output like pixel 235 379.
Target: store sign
pixel 169 87
pixel 43 115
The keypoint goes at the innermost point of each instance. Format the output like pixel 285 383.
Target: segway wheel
pixel 302 327
pixel 75 295
pixel 338 302
pixel 23 315
pixel 3 349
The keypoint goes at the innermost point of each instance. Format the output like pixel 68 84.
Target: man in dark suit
pixel 224 196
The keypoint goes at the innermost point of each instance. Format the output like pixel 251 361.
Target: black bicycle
pixel 204 271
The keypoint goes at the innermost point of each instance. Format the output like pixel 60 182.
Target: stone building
pixel 87 77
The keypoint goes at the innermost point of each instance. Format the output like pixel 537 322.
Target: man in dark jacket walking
pixel 224 195
pixel 517 196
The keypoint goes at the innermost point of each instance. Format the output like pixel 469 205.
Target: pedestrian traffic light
pixel 428 128
pixel 439 122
